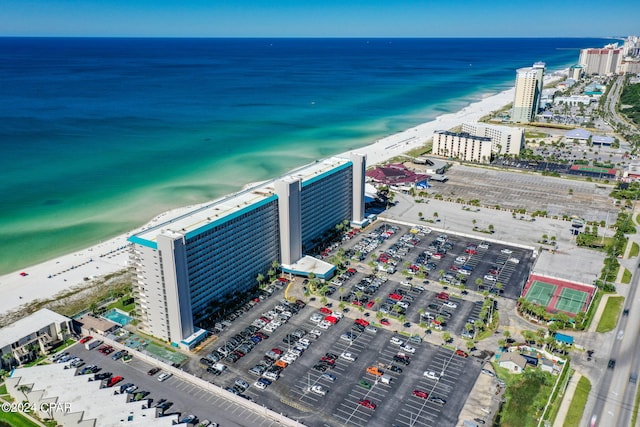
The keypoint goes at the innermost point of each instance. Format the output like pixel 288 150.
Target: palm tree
pixel 260 278
pixel 446 337
pixel 471 345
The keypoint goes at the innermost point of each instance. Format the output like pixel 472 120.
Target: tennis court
pixel 540 293
pixel 571 300
pixel 558 295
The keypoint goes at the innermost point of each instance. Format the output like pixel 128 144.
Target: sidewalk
pixel 568 397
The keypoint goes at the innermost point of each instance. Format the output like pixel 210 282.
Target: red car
pixel 351 270
pixel 86 339
pixel 331 319
pixel 420 393
pixel 395 297
pixel 325 310
pixel 115 380
pixel 371 304
pixel 461 353
pixel 328 360
pixel 385 322
pixel 362 322
pixel 356 302
pixel 454 268
pixel 471 251
pixel 443 296
pixel 367 404
pixel 277 351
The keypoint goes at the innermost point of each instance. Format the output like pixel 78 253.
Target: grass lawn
pixel 610 315
pixel 119 305
pixel 635 250
pixel 626 277
pixel 574 415
pixel 534 134
pixel 526 395
pixel 15 419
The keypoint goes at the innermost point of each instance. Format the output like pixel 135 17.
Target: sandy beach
pixel 45 280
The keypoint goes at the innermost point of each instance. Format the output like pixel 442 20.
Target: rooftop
pixel 28 325
pixel 86 398
pixel 221 209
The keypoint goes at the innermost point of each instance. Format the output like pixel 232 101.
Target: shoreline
pixel 47 279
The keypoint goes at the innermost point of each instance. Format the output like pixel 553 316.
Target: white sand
pixel 112 255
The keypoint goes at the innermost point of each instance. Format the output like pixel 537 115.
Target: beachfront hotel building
pixel 605 61
pixel 462 146
pixel 189 266
pixel 504 139
pixel 526 100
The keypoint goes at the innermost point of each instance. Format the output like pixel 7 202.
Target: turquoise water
pixel 100 135
pixel 117 317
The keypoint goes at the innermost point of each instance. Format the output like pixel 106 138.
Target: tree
pixel 470 345
pixel 507 334
pixel 446 337
pixel 435 214
pixel 260 278
pixel 502 343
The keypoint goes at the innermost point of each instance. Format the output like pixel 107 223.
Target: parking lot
pixel 316 366
pixel 185 398
pixel 532 192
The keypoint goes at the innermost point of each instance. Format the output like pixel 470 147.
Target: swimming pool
pixel 117 316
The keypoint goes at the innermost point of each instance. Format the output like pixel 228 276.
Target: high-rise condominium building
pixel 189 266
pixel 604 62
pixel 526 101
pixel 504 139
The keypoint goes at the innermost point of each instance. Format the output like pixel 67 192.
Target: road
pixel 616 394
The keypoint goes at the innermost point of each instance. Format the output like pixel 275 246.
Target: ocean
pixel 98 135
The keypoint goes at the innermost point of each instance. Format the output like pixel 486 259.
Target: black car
pixel 395 368
pixel 102 376
pixel 612 363
pixel 403 360
pixel 321 367
pixel 165 405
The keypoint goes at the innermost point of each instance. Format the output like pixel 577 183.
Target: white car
pixel 337 314
pixel 490 277
pixel 464 272
pixel 450 304
pixel 483 245
pixel 514 260
pixel 164 376
pixel 260 385
pixel 506 251
pixel 431 375
pixel 396 341
pixel 318 389
pixel 324 324
pixel 403 304
pixel 316 317
pixel 408 349
pixel 315 332
pixel 371 329
pixel 348 356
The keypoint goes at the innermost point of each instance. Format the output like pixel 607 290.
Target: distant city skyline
pixel 318 18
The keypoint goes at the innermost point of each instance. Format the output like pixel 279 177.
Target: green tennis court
pixel 571 300
pixel 540 293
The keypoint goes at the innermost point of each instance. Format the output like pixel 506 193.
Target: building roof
pixel 27 325
pixel 308 264
pixel 92 322
pixel 513 357
pixel 601 139
pixel 567 339
pixel 235 204
pixel 86 397
pixel 578 134
pixel 393 174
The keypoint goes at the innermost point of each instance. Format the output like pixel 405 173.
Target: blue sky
pixel 319 18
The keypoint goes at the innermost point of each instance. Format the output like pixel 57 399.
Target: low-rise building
pixel 512 361
pixel 462 146
pixel 58 393
pixel 28 338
